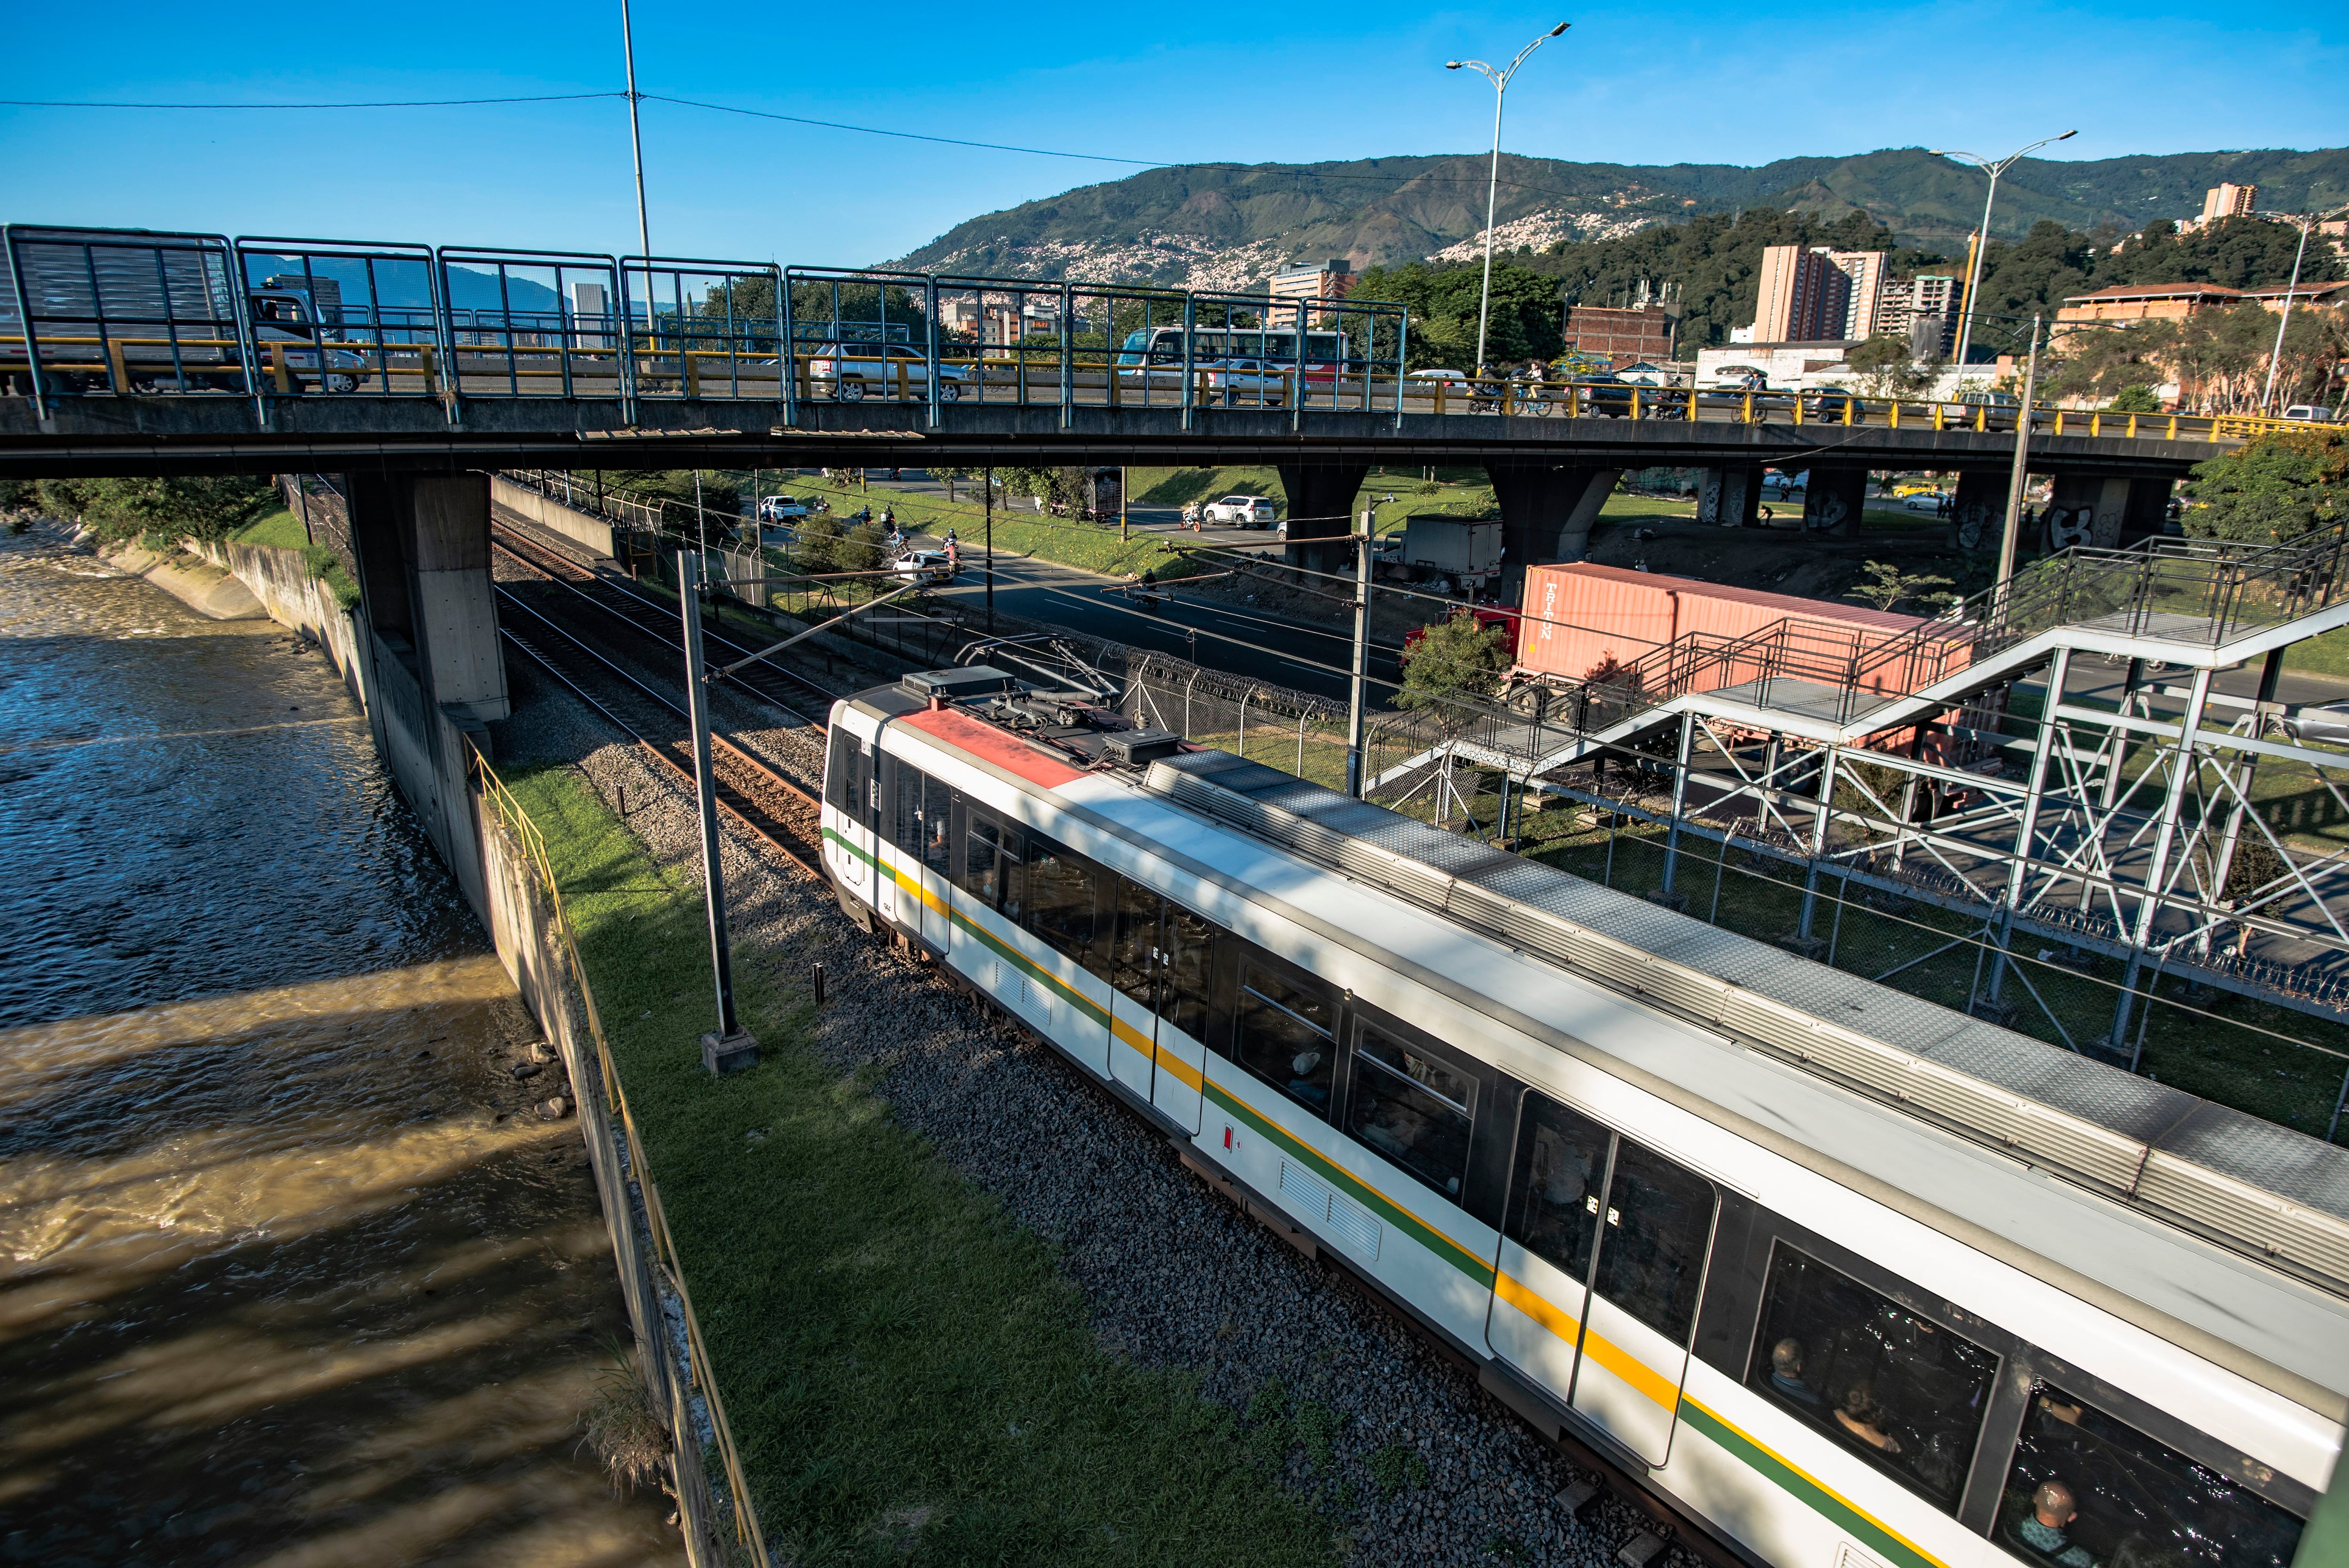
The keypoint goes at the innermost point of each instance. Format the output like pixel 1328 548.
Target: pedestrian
pixel 1765 514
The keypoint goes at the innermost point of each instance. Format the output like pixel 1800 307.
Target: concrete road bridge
pixel 137 352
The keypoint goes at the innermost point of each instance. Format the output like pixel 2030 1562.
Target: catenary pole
pixel 636 131
pixel 1356 694
pixel 697 702
pixel 2020 474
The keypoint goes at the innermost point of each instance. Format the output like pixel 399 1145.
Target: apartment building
pixel 2223 201
pixel 1810 294
pixel 1916 308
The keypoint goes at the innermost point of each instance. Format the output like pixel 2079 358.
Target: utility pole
pixel 2020 474
pixel 727 1048
pixel 636 131
pixel 2304 222
pixel 1356 692
pixel 987 527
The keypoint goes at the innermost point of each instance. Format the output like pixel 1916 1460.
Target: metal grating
pixel 2274 1192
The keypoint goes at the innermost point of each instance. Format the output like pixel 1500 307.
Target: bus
pixel 1161 347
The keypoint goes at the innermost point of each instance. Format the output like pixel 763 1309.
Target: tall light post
pixel 2304 222
pixel 1500 81
pixel 635 134
pixel 1974 272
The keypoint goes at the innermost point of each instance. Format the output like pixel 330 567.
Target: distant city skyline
pixel 2165 77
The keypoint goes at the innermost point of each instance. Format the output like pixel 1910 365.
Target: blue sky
pixel 1671 81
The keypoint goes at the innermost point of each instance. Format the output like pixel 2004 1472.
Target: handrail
pixel 746 1517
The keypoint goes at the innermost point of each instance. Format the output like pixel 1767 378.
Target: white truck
pixel 1466 550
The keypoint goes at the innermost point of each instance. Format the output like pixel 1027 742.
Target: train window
pixel 1061 888
pixel 2087 1491
pixel 1899 1390
pixel 1188 968
pixel 1652 1249
pixel 938 825
pixel 905 811
pixel 839 773
pixel 1561 1171
pixel 1411 1108
pixel 982 853
pixel 1131 946
pixel 1285 1036
pixel 1011 878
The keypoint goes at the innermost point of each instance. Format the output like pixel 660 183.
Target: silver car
pixel 2326 724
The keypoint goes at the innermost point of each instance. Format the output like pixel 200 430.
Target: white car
pixel 2310 413
pixel 923 566
pixel 1241 511
pixel 1237 381
pixel 856 368
pixel 1427 381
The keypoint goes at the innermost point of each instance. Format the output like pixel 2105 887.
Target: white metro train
pixel 1841 1277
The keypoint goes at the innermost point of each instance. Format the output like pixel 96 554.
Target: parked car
pixel 781 509
pixel 857 368
pixel 1242 512
pixel 924 566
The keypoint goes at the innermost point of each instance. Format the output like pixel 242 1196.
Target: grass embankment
pixel 278 530
pixel 1087 546
pixel 910 1379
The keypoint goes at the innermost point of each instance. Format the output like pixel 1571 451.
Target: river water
pixel 290 1274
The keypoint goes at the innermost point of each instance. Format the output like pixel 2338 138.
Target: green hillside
pixel 1227 224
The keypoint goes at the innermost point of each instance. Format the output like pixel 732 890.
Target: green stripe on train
pixel 1402 1220
pixel 1804 1490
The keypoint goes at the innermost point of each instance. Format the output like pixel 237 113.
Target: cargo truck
pixel 1464 553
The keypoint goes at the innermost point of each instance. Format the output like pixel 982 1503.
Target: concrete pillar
pixel 1546 514
pixel 2105 499
pixel 422 543
pixel 1322 506
pixel 2146 510
pixel 1977 514
pixel 1832 500
pixel 1730 497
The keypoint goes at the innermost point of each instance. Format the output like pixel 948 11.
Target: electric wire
pixel 371 103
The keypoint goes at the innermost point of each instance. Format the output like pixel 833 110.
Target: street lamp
pixel 2304 222
pixel 1500 81
pixel 1974 272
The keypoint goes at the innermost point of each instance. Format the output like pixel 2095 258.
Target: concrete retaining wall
pixel 208 591
pixel 523 922
pixel 552 515
pixel 281 580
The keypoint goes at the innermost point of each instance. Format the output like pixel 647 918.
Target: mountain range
pixel 1227 226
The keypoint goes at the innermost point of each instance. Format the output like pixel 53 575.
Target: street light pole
pixel 636 133
pixel 2021 473
pixel 1982 243
pixel 2305 221
pixel 1500 81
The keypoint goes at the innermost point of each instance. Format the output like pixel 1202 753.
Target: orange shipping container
pixel 1580 617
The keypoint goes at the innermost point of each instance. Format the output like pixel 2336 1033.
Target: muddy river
pixel 290 1274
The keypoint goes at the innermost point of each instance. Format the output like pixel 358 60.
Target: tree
pixel 1443 302
pixel 2273 490
pixel 2137 397
pixel 158 513
pixel 1888 587
pixel 1888 368
pixel 1451 665
pixel 859 550
pixel 820 541
pixel 952 477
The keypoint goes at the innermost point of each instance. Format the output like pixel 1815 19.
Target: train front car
pixel 1838 1277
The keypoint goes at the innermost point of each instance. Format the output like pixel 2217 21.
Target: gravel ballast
pixel 1389 1437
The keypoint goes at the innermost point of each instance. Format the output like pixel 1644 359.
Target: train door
pixel 848 790
pixel 1135 929
pixel 936 832
pixel 1602 1263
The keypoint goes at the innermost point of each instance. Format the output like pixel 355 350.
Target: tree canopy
pixel 2274 489
pixel 1525 320
pixel 1451 665
pixel 159 511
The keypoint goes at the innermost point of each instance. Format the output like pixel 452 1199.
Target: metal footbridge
pixel 2122 831
pixel 131 351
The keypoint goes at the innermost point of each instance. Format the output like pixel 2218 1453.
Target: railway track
pixel 770 806
pixel 651 617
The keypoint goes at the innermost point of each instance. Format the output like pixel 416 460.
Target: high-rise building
pixel 1329 281
pixel 1923 310
pixel 2223 201
pixel 1801 292
pixel 1866 271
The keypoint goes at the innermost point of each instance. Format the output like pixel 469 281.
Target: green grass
pixel 1087 546
pixel 279 530
pixel 886 1340
pixel 2322 655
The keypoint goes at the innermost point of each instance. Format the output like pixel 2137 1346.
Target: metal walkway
pixel 2124 831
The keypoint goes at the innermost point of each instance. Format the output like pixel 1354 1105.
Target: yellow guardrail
pixel 702 1368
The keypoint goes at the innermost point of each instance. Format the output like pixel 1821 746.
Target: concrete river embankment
pixel 291 1271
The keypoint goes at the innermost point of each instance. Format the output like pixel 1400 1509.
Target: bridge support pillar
pixel 1833 500
pixel 1978 515
pixel 1731 497
pixel 434 665
pixel 1547 515
pixel 1320 514
pixel 2147 509
pixel 2104 498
